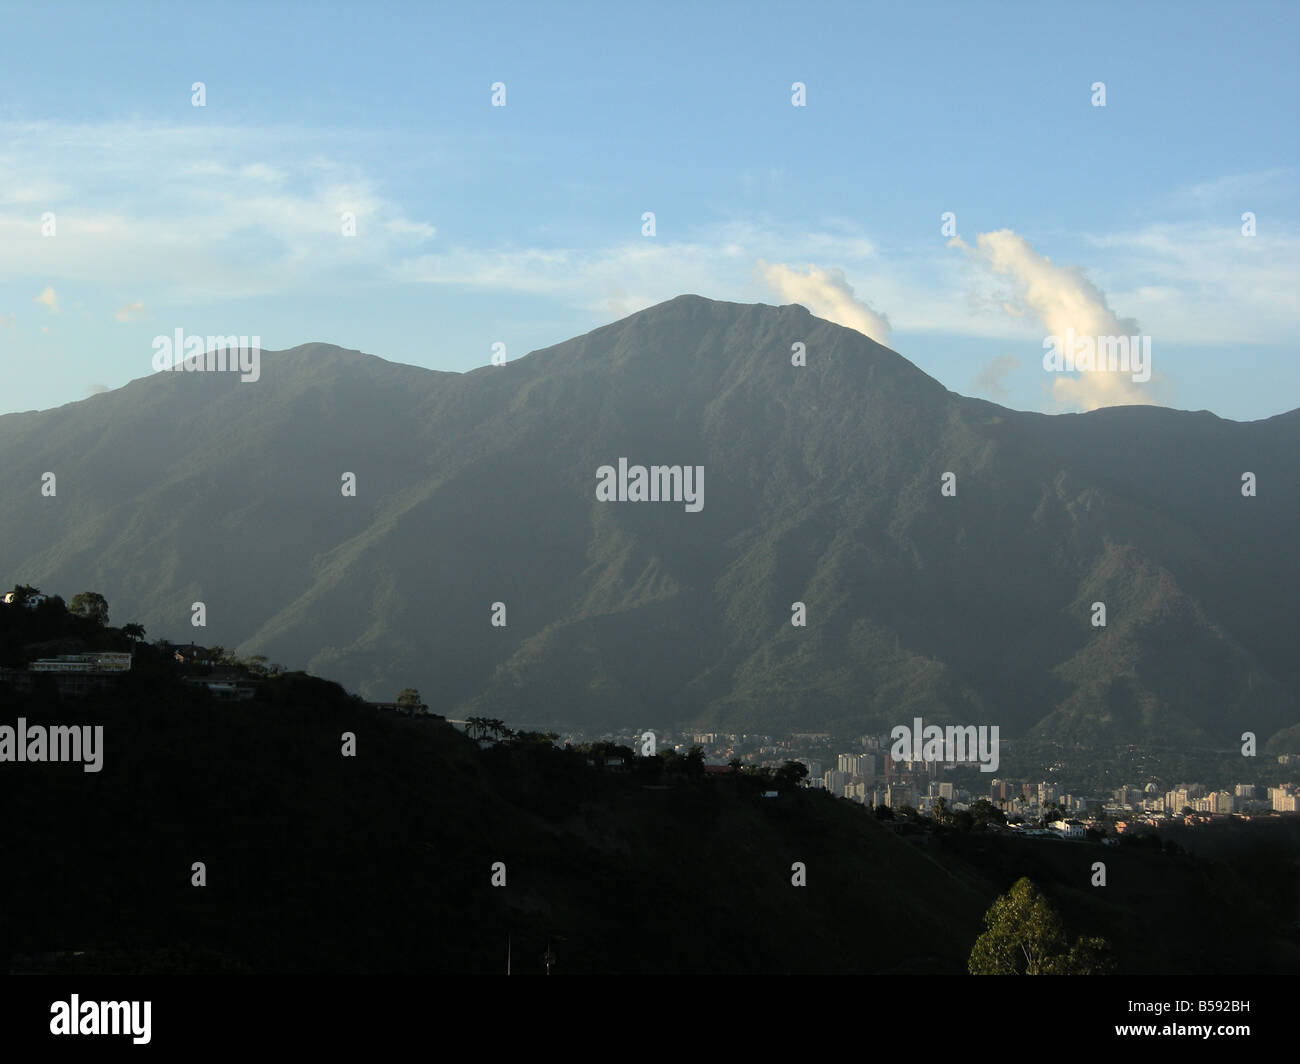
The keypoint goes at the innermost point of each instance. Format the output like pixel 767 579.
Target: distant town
pixel 869 775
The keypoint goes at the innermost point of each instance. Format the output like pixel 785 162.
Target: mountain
pixel 821 485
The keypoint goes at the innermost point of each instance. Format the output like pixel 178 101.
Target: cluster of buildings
pixel 871 776
pixel 203 668
pixel 71 674
pixel 1194 800
pixel 79 674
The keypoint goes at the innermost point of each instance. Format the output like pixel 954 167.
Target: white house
pixel 31 602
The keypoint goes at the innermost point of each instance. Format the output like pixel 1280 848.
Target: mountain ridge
pixel 822 485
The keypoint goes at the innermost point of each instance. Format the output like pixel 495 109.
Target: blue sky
pixel 522 224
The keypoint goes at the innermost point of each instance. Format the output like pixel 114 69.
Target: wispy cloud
pixel 827 294
pixel 165 194
pixel 1235 190
pixel 1198 284
pixel 989 380
pixel 48 298
pixel 130 312
pixel 45 193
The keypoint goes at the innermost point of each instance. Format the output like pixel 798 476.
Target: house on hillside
pixel 421 710
pixel 31 601
pixel 95 661
pixel 227 684
pixel 191 655
pixel 71 674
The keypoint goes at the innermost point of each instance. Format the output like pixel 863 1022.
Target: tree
pixel 1025 936
pixel 91 605
pixel 985 813
pixel 791 773
pixel 409 699
pixel 133 632
pixel 1088 956
pixel 734 764
pixel 940 812
pixel 534 738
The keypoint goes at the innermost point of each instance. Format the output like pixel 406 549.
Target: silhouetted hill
pixel 383 861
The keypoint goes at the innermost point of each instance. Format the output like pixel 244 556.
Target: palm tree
pixel 940 814
pixel 134 632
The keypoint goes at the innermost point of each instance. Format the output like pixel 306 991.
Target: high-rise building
pixel 835 782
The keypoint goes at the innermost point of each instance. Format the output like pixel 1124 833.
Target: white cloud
pixel 48 298
pixel 160 193
pixel 130 312
pixel 261 172
pixel 826 294
pixel 1062 300
pixel 1198 284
